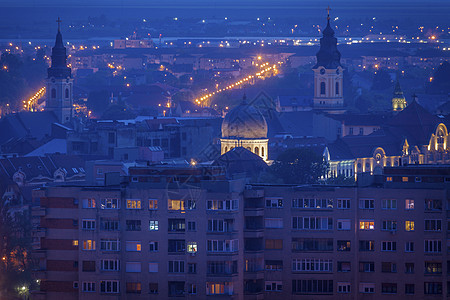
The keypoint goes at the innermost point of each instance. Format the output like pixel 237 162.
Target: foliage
pixel 441 80
pixel 381 80
pixel 341 180
pixel 15 247
pixel 118 112
pixel 298 165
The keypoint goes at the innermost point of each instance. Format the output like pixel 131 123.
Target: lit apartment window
pixel 110 265
pixel 273 222
pixel 153 225
pixel 89 245
pixel 343 287
pixel 274 202
pixel 312 203
pixel 388 246
pixel 153 267
pixel 433 267
pixel 176 266
pixel 109 203
pixel 153 288
pixel 133 267
pixel 176 204
pixel 89 203
pixel 367 204
pixel 134 287
pixel 133 246
pixel 433 246
pixel 109 244
pixel 409 204
pixel 343 203
pixel 75 243
pixel 409 247
pixel 274 286
pixel 368 288
pixel 274 265
pixel 88 286
pixel 219 288
pixel 88 224
pixel 153 246
pixel 389 204
pixel 192 289
pixel 133 204
pixel 192 247
pixel 109 286
pixel 389 225
pixel 409 225
pixel 222 204
pixel 405 179
pixel 343 245
pixel 344 224
pixel 389 178
pixel 152 204
pixel 367 225
pixel 433 225
pixel 176 225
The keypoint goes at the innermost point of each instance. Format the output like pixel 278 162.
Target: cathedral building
pixel 328 74
pixel 60 82
pixel 245 126
pixel 398 100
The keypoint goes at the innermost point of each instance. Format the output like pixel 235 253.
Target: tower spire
pixel 59 24
pixel 328 13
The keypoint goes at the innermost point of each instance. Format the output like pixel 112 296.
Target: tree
pixel 298 165
pixel 381 80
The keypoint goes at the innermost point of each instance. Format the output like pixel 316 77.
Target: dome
pixel 244 122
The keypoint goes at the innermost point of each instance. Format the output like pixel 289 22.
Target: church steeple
pixel 398 99
pixel 328 56
pixel 59 67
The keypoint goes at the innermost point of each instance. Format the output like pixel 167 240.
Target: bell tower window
pixel 53 93
pixel 67 93
pixel 337 88
pixel 322 88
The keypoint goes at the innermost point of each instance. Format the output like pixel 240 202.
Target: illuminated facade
pixel 328 73
pixel 245 126
pixel 60 82
pixel 398 100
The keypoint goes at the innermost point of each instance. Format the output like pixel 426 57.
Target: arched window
pixel 231 148
pixel 322 88
pixel 53 93
pixel 226 149
pixel 249 149
pixel 256 150
pixel 337 88
pixel 67 93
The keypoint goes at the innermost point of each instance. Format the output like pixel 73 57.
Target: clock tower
pixel 328 73
pixel 59 82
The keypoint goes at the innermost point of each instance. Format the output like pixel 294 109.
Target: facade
pixel 398 100
pixel 328 74
pixel 169 232
pixel 60 83
pixel 245 126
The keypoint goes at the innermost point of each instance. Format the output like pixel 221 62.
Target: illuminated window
pixel 405 179
pixel 153 225
pixel 89 203
pixel 75 243
pixel 152 204
pixel 133 246
pixel 133 204
pixel 192 247
pixel 367 225
pixel 109 203
pixel 409 225
pixel 176 204
pixel 409 204
pixel 89 245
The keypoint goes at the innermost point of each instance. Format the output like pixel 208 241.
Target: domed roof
pixel 244 122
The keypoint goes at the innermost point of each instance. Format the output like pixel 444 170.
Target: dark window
pixel 192 268
pixel 366 245
pixel 409 289
pixel 312 286
pixel 312 244
pixel 176 288
pixel 274 265
pixel 111 138
pixel 177 246
pixel 89 266
pixel 344 266
pixel 388 267
pixel 176 225
pixel 53 93
pixel 165 143
pixel 133 225
pixel 389 288
pixel 322 88
pixel 366 266
pixel 153 288
pixel 337 88
pixel 343 245
pixel 67 93
pixel 433 288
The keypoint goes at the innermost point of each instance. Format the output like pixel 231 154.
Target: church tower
pixel 59 82
pixel 328 73
pixel 398 100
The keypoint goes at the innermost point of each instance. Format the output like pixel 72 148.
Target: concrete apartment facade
pixel 167 233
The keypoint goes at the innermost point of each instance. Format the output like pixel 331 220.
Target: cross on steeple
pixel 59 23
pixel 328 12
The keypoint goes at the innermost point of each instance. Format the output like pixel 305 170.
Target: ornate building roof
pixel 244 122
pixel 328 56
pixel 59 67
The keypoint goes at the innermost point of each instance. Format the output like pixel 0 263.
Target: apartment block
pixel 167 232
